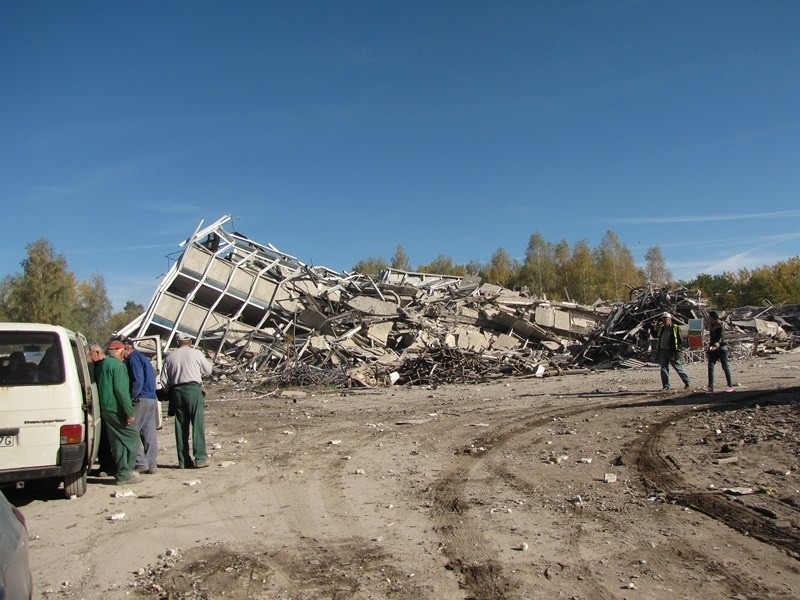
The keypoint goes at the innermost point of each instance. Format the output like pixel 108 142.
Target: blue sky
pixel 338 130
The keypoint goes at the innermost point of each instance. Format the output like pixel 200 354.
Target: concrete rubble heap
pixel 264 316
pixel 262 313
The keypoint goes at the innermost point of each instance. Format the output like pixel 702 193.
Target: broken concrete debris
pixel 263 315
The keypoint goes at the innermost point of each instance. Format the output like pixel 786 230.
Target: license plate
pixel 6 441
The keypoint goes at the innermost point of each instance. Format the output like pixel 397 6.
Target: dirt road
pixel 581 486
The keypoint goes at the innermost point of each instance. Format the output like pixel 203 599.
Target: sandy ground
pixel 580 486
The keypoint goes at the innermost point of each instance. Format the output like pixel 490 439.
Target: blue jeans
pixel 722 356
pixel 667 358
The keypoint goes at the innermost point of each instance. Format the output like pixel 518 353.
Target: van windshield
pixel 30 358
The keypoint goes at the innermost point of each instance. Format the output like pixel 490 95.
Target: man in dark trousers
pixel 184 369
pixel 670 343
pixel 717 351
pixel 116 408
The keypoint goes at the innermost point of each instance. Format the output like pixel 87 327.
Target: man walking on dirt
pixel 670 343
pixel 184 369
pixel 717 351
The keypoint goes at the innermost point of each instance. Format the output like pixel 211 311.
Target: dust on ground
pixel 579 487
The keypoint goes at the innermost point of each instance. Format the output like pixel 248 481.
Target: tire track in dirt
pixel 481 574
pixel 649 458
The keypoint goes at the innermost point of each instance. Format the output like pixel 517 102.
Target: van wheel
pixel 75 483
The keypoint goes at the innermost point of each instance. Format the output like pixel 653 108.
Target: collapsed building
pixel 263 314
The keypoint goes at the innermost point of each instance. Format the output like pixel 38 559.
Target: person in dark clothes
pixel 717 351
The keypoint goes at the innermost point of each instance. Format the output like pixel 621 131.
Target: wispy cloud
pixel 759 253
pixel 781 214
pixel 88 181
pixel 761 240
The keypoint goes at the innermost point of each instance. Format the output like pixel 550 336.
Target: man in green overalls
pixel 118 413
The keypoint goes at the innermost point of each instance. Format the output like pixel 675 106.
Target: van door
pixel 150 346
pixel 91 398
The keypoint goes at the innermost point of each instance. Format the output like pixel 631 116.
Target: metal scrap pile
pixel 625 338
pixel 265 317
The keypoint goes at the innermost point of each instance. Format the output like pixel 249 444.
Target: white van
pixel 49 407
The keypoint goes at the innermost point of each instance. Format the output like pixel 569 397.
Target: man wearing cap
pixel 118 414
pixel 184 369
pixel 670 343
pixel 145 403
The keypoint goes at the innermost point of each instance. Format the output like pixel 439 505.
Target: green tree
pixel 400 259
pixel 656 267
pixel 119 320
pixel 616 268
pixel 371 266
pixel 443 265
pixel 762 287
pixel 93 308
pixel 539 271
pixel 582 274
pixel 500 269
pixel 788 274
pixel 45 292
pixel 561 257
pixel 717 289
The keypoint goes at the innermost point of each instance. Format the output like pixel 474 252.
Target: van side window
pixel 83 375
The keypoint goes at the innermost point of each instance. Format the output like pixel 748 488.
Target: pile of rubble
pixel 266 317
pixel 627 336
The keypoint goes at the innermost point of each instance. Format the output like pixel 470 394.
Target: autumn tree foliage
pixel 47 292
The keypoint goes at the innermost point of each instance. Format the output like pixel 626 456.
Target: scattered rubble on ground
pixel 265 317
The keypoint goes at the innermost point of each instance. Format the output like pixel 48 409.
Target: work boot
pixel 135 478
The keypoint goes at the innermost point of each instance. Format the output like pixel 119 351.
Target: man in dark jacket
pixel 717 351
pixel 670 343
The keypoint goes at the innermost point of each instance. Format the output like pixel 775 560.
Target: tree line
pixel 579 273
pixel 47 292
